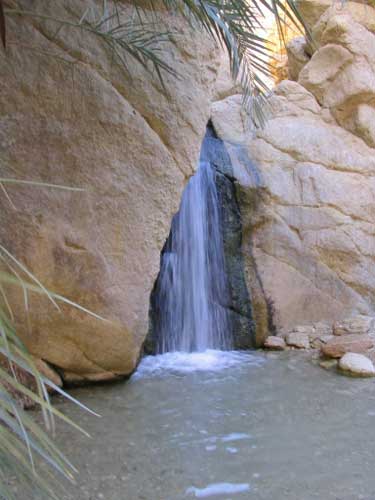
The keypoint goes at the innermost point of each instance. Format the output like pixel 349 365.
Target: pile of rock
pixel 301 337
pixel 345 342
pixel 352 339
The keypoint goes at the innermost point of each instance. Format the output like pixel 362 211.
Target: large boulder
pixel 70 115
pixel 308 202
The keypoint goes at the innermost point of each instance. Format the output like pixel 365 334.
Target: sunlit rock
pixel 70 116
pixel 357 365
pixel 308 205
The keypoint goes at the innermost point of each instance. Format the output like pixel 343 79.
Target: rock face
pixel 70 116
pixel 308 203
pixel 357 365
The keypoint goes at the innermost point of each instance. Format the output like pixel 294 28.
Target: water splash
pixel 192 291
pixel 185 363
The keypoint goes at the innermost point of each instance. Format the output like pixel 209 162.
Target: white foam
pixel 218 489
pixel 190 362
pixel 235 436
pixel 231 449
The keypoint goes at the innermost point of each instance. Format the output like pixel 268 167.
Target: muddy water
pixel 230 426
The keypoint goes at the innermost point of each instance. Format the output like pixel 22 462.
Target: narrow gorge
pixel 183 256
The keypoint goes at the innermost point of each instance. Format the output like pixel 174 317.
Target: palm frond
pixel 137 38
pixel 235 24
pixel 24 443
pixel 20 437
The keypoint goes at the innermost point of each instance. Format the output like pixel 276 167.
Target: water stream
pixel 192 290
pixel 225 426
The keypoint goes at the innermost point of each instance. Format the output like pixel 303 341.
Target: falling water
pixel 192 290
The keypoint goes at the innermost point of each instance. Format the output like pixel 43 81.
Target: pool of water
pixel 225 426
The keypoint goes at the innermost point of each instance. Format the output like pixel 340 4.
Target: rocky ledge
pixel 343 343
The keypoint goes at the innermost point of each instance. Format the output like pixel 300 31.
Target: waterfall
pixel 192 291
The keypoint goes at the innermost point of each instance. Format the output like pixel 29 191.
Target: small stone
pixel 356 325
pixel 307 329
pixel 274 343
pixel 323 329
pixel 322 339
pixel 326 338
pixel 338 346
pixel 298 339
pixel 327 364
pixel 357 365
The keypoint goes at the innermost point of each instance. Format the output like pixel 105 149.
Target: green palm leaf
pixel 234 24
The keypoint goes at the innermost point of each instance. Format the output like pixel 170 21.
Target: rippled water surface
pixel 226 426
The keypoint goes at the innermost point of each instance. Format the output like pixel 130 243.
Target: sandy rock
pixel 309 203
pixel 298 339
pixel 328 364
pixel 297 56
pixel 362 123
pixel 326 338
pixel 359 12
pixel 317 342
pixel 357 325
pixel 317 75
pixel 357 365
pixel 274 343
pixel 47 371
pixel 337 347
pixel 305 329
pixel 227 122
pixel 312 10
pixel 74 119
pixel 323 329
